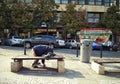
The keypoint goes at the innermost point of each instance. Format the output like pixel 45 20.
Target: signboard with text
pixel 96 34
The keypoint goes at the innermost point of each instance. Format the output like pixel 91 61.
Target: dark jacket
pixel 42 49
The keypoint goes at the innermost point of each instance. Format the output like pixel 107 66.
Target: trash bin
pixel 85 50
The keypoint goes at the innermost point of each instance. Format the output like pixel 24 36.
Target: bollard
pixel 101 49
pixel 24 49
pixel 77 51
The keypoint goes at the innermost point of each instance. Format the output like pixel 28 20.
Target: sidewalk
pixel 76 73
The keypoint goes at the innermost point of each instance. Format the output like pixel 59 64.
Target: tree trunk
pixel 116 40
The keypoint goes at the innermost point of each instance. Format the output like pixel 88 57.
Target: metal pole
pixel 24 49
pixel 77 51
pixel 101 49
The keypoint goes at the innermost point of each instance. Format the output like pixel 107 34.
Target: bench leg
pixel 60 66
pixel 16 66
pixel 99 69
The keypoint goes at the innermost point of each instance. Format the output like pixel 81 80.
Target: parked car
pixel 111 46
pixel 40 39
pixel 72 43
pixel 107 45
pixel 60 41
pixel 96 46
pixel 115 46
pixel 13 40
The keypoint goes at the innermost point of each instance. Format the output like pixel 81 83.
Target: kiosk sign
pixel 95 34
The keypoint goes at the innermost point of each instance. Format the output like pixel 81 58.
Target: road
pixel 73 52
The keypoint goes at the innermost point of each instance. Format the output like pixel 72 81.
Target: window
pixel 95 2
pixel 93 17
pixel 73 1
pixel 58 17
pixel 119 3
pixel 57 1
pixel 91 2
pixel 64 1
pixel 98 2
pixel 27 0
pixel 107 2
pixel 81 2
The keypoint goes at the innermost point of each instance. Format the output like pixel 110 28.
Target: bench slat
pixel 33 58
pixel 107 60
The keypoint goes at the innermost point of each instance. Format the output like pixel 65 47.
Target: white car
pixel 13 40
pixel 72 43
pixel 60 41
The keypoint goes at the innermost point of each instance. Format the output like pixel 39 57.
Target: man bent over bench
pixel 41 50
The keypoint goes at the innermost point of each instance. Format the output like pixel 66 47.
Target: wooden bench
pixel 97 64
pixel 17 63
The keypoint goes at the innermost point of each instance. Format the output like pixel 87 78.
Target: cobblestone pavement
pixel 76 72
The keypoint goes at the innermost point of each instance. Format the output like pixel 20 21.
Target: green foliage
pixel 111 20
pixel 72 19
pixel 44 12
pixel 4 16
pixel 21 16
pixel 1 1
pixel 18 15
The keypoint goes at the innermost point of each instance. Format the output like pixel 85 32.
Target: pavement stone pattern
pixel 76 72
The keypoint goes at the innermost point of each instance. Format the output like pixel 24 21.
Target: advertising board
pixel 95 34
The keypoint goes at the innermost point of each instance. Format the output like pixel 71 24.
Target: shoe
pixel 44 66
pixel 37 65
pixel 34 65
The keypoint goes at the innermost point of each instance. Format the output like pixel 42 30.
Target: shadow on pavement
pixel 17 48
pixel 113 74
pixel 50 72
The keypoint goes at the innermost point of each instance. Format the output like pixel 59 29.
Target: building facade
pixel 95 8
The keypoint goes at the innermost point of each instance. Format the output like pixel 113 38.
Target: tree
pixel 73 20
pixel 111 20
pixel 21 17
pixel 28 23
pixel 17 15
pixel 45 11
pixel 4 17
pixel 1 1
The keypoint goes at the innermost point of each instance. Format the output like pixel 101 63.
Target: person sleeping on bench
pixel 41 50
